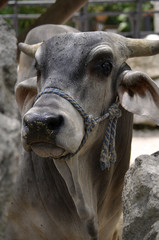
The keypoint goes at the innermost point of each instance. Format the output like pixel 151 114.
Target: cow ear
pixel 139 94
pixel 26 92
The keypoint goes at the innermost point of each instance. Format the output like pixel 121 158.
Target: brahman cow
pixel 76 96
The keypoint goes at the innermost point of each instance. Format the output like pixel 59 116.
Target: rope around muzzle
pixel 108 153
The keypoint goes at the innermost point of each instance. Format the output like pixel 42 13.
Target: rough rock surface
pixel 9 125
pixel 8 69
pixel 141 199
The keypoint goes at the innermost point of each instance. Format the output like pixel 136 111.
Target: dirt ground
pixel 145 141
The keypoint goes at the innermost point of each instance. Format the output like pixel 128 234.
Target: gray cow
pixel 76 96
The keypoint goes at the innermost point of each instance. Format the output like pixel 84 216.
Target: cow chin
pixel 66 142
pixel 45 150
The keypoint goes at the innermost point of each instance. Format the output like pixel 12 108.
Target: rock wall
pixel 9 125
pixel 141 199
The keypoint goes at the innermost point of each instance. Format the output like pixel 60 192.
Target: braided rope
pixel 108 154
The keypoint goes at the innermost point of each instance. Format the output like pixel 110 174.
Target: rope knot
pixel 108 153
pixel 114 111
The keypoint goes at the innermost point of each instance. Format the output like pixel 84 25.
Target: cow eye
pixel 103 67
pixel 107 67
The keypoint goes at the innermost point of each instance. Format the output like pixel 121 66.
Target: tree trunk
pixel 3 3
pixel 58 13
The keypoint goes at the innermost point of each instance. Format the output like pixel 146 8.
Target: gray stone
pixel 8 69
pixel 9 124
pixel 141 199
pixel 9 156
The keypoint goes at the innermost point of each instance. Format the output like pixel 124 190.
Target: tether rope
pixel 108 154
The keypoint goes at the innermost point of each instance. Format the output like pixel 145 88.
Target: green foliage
pixel 116 7
pixel 122 21
pixel 6 10
pixel 23 23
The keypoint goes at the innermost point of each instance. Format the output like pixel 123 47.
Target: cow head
pixel 90 68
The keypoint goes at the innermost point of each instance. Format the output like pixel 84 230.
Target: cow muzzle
pixel 53 129
pixel 82 125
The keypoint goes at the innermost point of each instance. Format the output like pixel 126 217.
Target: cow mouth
pixel 43 149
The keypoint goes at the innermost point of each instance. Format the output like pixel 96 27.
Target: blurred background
pixel 128 17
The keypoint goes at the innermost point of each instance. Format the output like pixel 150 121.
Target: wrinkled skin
pixel 73 199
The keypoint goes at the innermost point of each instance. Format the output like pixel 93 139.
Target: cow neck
pixel 80 193
pixel 108 154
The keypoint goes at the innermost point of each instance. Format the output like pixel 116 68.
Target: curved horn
pixel 142 47
pixel 30 50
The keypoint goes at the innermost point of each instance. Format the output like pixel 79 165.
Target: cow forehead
pixel 77 45
pixel 83 40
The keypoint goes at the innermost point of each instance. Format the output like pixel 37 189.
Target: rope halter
pixel 108 154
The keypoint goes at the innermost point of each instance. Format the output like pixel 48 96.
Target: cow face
pixel 90 68
pixel 79 65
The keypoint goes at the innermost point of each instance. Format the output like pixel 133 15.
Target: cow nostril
pixel 54 123
pixel 42 123
pixel 26 123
